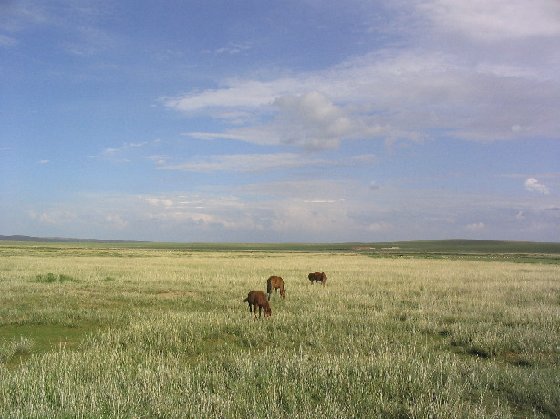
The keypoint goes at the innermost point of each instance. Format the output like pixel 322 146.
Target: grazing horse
pixel 258 299
pixel 275 283
pixel 317 276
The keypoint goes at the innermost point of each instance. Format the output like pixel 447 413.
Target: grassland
pixel 93 330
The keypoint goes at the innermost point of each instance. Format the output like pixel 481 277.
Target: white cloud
pixel 312 121
pixel 236 94
pixel 53 216
pixel 475 227
pixel 117 221
pixel 495 20
pixel 533 185
pixel 233 48
pixel 159 202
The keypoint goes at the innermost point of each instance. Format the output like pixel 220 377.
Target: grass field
pixel 400 330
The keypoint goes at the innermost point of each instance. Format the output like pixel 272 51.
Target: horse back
pixel 274 282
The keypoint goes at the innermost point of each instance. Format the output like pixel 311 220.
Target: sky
pixel 280 121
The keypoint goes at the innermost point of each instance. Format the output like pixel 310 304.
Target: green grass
pixel 109 331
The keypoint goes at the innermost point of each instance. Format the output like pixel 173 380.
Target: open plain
pixel 107 330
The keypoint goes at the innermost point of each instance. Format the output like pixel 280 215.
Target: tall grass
pixel 164 333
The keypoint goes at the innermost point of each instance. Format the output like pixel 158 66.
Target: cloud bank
pixel 492 79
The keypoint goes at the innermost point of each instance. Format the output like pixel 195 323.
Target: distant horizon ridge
pixel 23 237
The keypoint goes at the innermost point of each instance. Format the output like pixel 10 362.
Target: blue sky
pixel 307 120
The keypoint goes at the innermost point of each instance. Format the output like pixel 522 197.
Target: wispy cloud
pixel 18 16
pixel 247 163
pixel 242 163
pixel 322 201
pixel 7 41
pixel 233 48
pixel 122 153
pixel 79 19
pixel 89 40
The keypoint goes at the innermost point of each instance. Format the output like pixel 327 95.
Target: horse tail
pixel 268 286
pixel 246 299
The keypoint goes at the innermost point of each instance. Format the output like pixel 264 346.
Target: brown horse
pixel 258 299
pixel 275 283
pixel 318 277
